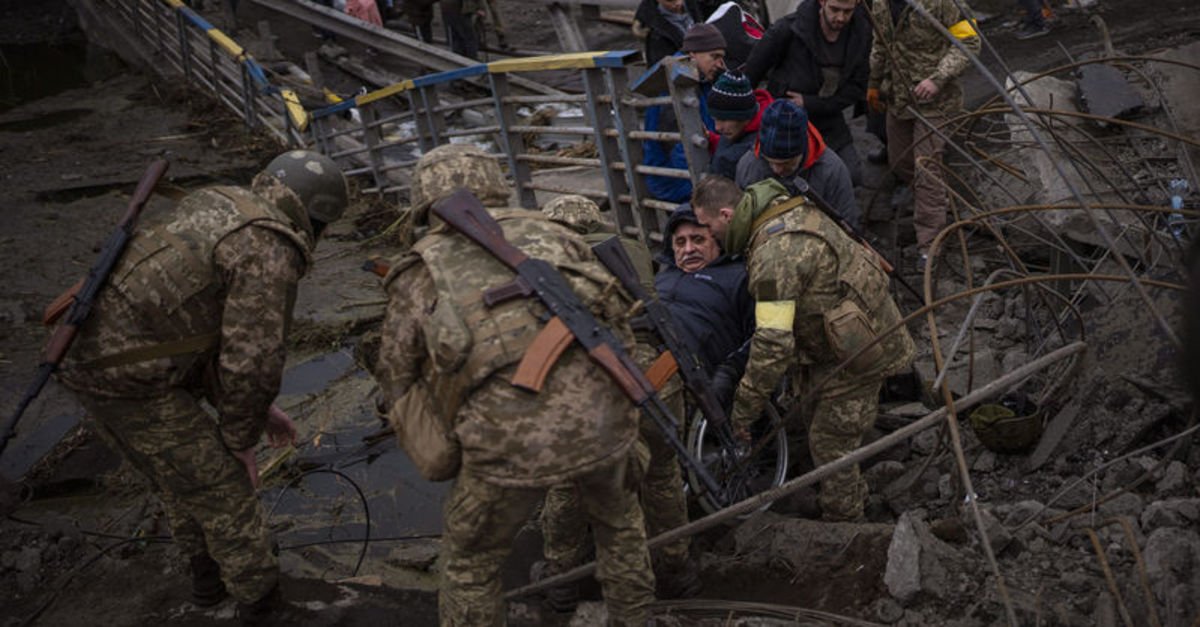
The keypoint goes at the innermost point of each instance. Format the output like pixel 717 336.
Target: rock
pixel 589 613
pixel 888 611
pixel 28 560
pixel 925 442
pixel 1083 493
pixel 986 462
pixel 919 562
pixel 903 574
pixel 1121 474
pixel 945 486
pixel 1172 557
pixel 1174 481
pixel 1075 583
pixel 882 474
pixel 415 555
pixel 1171 513
pixel 999 537
pixel 8 560
pixel 1127 504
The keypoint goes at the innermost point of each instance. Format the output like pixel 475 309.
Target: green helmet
pixel 575 211
pixel 452 166
pixel 315 179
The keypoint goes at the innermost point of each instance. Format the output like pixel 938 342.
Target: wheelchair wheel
pixel 766 470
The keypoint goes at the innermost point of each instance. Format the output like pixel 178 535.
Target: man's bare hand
pixel 796 97
pixel 925 90
pixel 281 431
pixel 251 463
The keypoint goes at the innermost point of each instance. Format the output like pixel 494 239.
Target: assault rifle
pixel 808 192
pixel 612 254
pixel 80 300
pixel 571 319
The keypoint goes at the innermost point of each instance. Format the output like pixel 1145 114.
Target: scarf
pixel 756 201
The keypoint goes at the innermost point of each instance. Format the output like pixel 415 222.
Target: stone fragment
pixel 1127 504
pixel 888 611
pixel 986 462
pixel 1172 558
pixel 1104 91
pixel 903 574
pixel 1075 582
pixel 1171 513
pixel 882 474
pixel 1174 481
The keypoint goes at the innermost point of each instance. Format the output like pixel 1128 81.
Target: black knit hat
pixel 702 38
pixel 784 131
pixel 732 98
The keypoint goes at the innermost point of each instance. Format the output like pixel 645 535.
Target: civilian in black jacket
pixel 707 295
pixel 662 23
pixel 819 57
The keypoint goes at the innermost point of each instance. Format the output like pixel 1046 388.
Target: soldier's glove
pixel 724 385
pixel 874 102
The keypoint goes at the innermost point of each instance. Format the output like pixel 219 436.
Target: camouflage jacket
pixel 223 264
pixel 911 50
pixel 802 267
pixel 438 333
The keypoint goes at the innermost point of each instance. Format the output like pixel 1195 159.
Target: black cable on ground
pixel 362 497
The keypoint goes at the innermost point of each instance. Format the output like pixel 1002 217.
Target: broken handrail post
pixel 764 498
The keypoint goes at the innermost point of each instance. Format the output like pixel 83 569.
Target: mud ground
pixel 88 544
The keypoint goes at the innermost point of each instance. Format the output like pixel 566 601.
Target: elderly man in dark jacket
pixel 708 298
pixel 789 148
pixel 819 57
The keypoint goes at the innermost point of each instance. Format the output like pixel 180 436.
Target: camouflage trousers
pixel 204 489
pixel 664 506
pixel 838 423
pixel 482 519
pixel 916 154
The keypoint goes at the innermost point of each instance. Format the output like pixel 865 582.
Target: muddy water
pixel 318 499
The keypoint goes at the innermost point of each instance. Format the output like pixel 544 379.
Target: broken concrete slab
pixel 918 562
pixel 1172 557
pixel 1104 91
pixel 1171 513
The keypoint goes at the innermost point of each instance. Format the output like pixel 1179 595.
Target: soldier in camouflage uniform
pixel 440 341
pixel 662 497
pixel 198 309
pixel 915 68
pixel 820 296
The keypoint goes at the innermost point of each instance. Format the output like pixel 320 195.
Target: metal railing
pixel 395 124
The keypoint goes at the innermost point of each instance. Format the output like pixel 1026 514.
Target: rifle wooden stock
pixel 607 358
pixel 81 301
pixel 471 219
pixel 377 267
pixel 542 354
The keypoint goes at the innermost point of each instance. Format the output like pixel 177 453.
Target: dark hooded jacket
pixel 664 38
pixel 787 58
pixel 712 307
pixel 822 168
pixel 725 158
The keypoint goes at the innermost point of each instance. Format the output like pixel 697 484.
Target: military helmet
pixel 1013 425
pixel 449 167
pixel 575 211
pixel 315 179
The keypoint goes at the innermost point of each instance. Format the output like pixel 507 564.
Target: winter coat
pixel 787 58
pixel 822 168
pixel 729 151
pixel 663 38
pixel 712 308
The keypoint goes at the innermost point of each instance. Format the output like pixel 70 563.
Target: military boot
pixel 562 599
pixel 207 587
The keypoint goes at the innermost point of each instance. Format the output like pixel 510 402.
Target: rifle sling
pixel 184 346
pixel 774 211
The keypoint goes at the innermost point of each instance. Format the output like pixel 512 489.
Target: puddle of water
pixel 325 506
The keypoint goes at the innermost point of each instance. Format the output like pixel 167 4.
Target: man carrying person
pixel 818 56
pixel 789 148
pixel 821 300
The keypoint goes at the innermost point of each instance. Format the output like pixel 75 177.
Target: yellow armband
pixel 964 29
pixel 775 314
